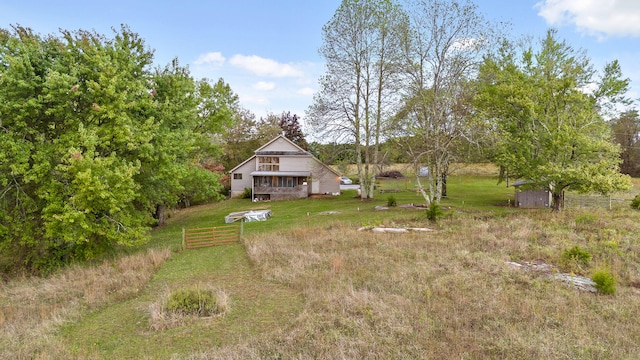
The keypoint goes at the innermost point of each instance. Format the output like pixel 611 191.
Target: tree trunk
pixel 557 200
pixel 444 185
pixel 161 214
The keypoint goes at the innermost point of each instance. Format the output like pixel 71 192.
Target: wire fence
pixel 585 201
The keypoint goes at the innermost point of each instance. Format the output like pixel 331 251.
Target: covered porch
pixel 280 185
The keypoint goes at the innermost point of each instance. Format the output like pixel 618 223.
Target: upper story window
pixel 268 163
pixel 237 176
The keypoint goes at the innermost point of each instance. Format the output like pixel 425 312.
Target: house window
pixel 263 181
pixel 278 181
pixel 286 181
pixel 268 163
pixel 237 176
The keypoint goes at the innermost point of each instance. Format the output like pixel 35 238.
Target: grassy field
pixel 307 285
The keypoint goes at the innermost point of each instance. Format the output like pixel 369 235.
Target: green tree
pixel 626 131
pixel 238 139
pixel 548 127
pixel 92 144
pixel 245 134
pixel 188 116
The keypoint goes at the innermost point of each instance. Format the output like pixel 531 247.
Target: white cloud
pixel 265 67
pixel 306 91
pixel 254 99
pixel 263 85
pixel 214 58
pixel 464 44
pixel 594 17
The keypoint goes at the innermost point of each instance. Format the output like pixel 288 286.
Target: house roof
pixel 271 152
pixel 300 152
pixel 242 163
pixel 326 166
pixel 521 183
pixel 281 173
pixel 260 149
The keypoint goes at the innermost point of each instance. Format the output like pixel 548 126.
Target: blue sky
pixel 268 50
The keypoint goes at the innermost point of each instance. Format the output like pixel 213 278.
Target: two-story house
pixel 279 170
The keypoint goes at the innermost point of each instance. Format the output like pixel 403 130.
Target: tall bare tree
pixel 442 53
pixel 361 46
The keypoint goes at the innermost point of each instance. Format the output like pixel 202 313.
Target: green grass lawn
pixel 465 193
pixel 303 284
pixel 258 306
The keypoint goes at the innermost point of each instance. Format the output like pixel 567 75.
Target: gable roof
pixel 299 151
pixel 242 163
pixel 297 148
pixel 326 166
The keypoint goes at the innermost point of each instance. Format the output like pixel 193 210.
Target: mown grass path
pixel 256 306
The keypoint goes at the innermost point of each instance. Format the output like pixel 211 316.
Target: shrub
pixel 434 211
pixel 635 203
pixel 394 174
pixel 199 302
pixel 605 282
pixel 391 201
pixel 246 194
pixel 578 255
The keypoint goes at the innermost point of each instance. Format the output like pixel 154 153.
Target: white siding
pixel 323 179
pixel 238 186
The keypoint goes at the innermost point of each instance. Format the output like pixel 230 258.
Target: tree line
pixel 443 82
pixel 96 143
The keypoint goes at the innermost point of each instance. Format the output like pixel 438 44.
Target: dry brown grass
pixel 449 294
pixel 31 310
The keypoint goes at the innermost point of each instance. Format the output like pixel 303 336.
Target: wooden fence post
pixel 184 238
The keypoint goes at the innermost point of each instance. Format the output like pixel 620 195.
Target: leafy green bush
pixel 200 302
pixel 246 194
pixel 605 282
pixel 434 211
pixel 635 203
pixel 578 255
pixel 391 201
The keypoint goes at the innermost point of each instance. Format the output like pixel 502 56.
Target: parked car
pixel 345 181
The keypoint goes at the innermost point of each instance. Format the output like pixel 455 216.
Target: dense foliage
pixel 93 144
pixel 550 130
pixel 290 125
pixel 626 132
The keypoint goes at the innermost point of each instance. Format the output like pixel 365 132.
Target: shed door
pixel 315 186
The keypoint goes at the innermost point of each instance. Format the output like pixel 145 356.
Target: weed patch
pixel 391 201
pixel 605 281
pixel 181 305
pixel 434 212
pixel 576 259
pixel 635 203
